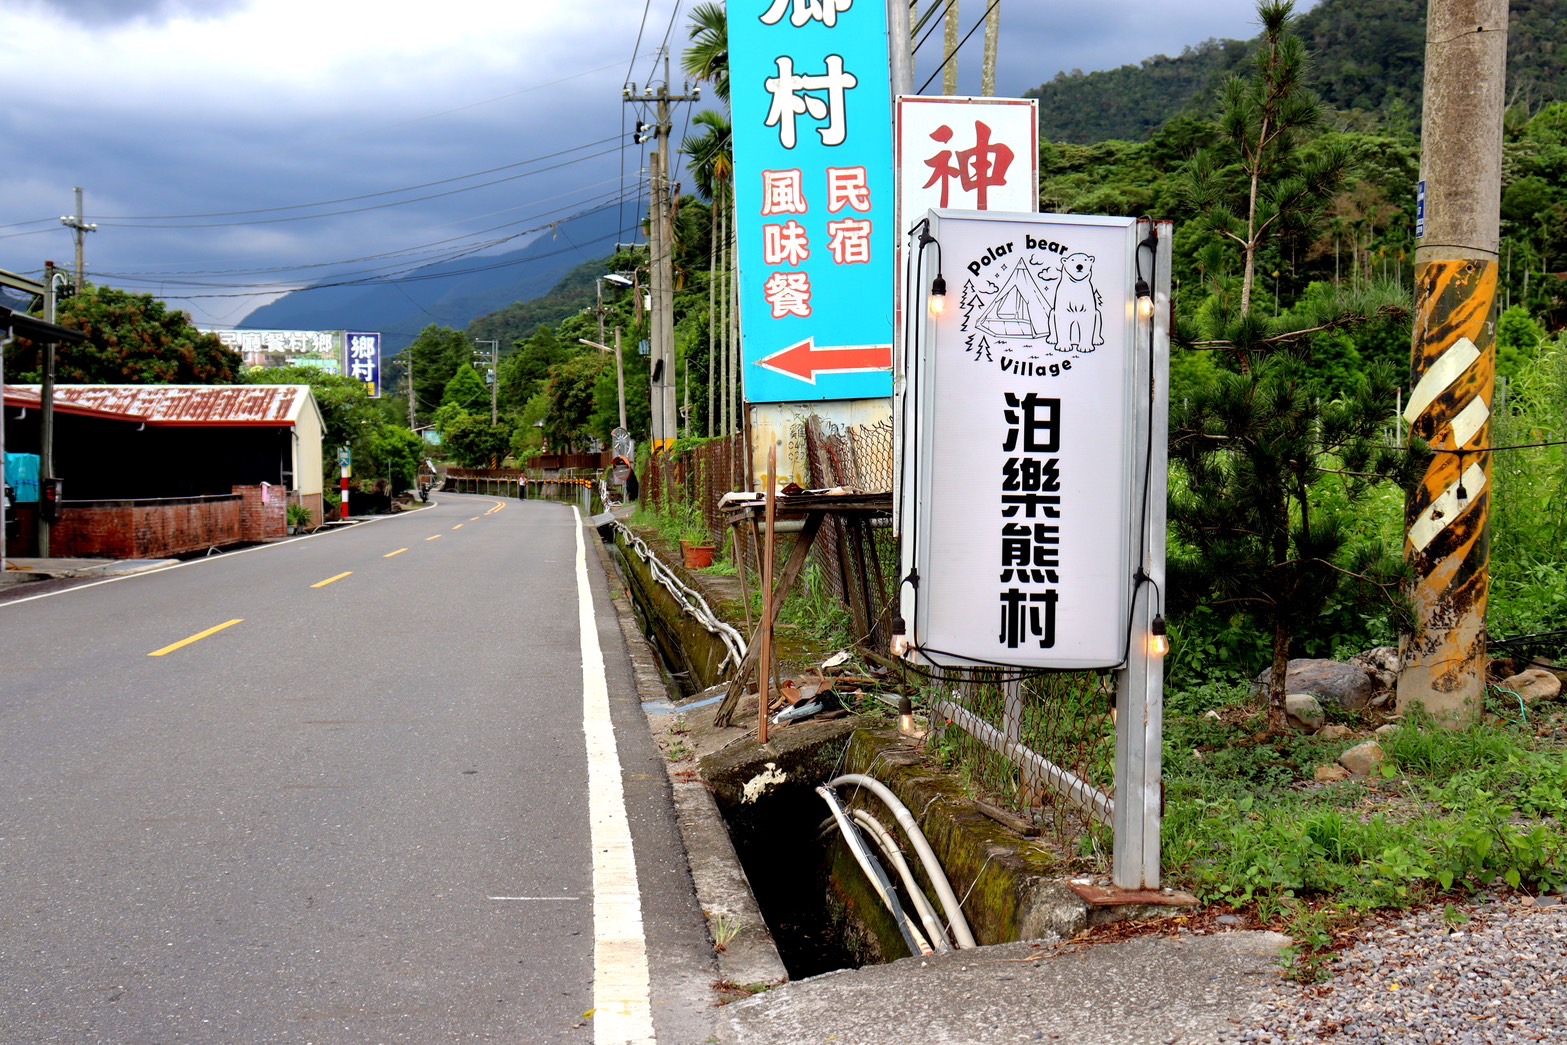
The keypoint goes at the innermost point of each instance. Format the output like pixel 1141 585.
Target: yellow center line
pixel 500 506
pixel 195 638
pixel 435 538
pixel 457 527
pixel 331 580
pixel 474 519
pixel 399 551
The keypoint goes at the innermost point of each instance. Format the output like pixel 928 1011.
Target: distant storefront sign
pixel 364 360
pixel 814 197
pixel 333 351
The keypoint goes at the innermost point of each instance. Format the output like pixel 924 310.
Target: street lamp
pixel 620 280
pixel 620 371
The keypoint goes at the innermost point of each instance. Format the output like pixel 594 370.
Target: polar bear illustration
pixel 1076 299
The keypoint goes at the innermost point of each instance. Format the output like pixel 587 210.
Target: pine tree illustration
pixel 969 302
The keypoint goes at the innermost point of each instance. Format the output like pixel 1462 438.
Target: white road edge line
pixel 622 1006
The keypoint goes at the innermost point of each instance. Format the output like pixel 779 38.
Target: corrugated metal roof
pixel 28 397
pixel 182 404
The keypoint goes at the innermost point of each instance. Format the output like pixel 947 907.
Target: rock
pixel 1382 662
pixel 1335 732
pixel 1304 711
pixel 1386 728
pixel 1347 686
pixel 1534 684
pixel 1363 759
pixel 1331 774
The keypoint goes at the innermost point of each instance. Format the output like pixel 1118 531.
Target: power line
pixel 959 47
pixel 357 210
pixel 171 273
pixel 355 199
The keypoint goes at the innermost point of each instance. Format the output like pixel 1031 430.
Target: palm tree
pixel 708 56
pixel 711 153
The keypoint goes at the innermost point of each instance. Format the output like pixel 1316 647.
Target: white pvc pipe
pixel 851 834
pixel 938 878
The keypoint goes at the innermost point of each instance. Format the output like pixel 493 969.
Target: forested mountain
pixel 1369 58
pixel 452 293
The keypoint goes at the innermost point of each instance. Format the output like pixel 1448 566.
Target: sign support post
pixel 1139 725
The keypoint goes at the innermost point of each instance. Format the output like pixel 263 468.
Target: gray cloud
pixel 113 12
pixel 180 107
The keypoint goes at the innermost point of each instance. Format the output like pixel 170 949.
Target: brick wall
pixel 165 528
pixel 262 520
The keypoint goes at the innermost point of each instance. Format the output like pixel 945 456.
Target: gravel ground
pixel 1501 976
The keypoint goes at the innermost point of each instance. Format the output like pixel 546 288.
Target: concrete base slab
pixel 1147 991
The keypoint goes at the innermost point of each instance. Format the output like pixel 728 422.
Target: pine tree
pixel 1266 471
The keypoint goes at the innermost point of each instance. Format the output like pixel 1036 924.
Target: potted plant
pixel 298 518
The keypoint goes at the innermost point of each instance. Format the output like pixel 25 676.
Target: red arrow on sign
pixel 805 360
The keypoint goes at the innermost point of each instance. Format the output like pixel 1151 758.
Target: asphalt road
pixel 360 810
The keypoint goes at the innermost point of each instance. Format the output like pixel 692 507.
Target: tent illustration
pixel 1019 309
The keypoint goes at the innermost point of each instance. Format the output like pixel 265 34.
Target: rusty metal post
pixel 1453 369
pixel 764 665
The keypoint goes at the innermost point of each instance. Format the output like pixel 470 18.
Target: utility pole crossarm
pixel 80 224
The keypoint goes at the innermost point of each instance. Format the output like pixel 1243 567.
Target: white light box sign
pixel 1019 524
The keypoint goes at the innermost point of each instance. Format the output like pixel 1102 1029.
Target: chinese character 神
pixel 783 192
pixel 848 187
pixel 1030 553
pixel 1039 423
pixel 789 293
pixel 785 244
pixel 850 241
pixel 792 97
pixel 976 169
pixel 802 12
pixel 1027 615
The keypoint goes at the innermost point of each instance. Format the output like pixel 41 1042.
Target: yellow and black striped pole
pixel 1453 370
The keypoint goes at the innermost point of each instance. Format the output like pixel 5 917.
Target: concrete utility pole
pixel 46 410
pixel 987 78
pixel 495 379
pixel 661 270
pixel 949 75
pixel 79 223
pixel 408 376
pixel 1454 355
pixel 901 47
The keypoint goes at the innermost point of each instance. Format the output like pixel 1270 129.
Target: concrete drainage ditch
pixel 783 894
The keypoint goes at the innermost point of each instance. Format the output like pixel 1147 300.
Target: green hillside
pixel 1369 56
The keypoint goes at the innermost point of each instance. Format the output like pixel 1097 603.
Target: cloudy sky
pixel 232 149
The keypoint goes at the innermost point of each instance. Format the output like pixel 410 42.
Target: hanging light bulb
pixel 1158 637
pixel 1144 299
pixel 898 645
pixel 938 296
